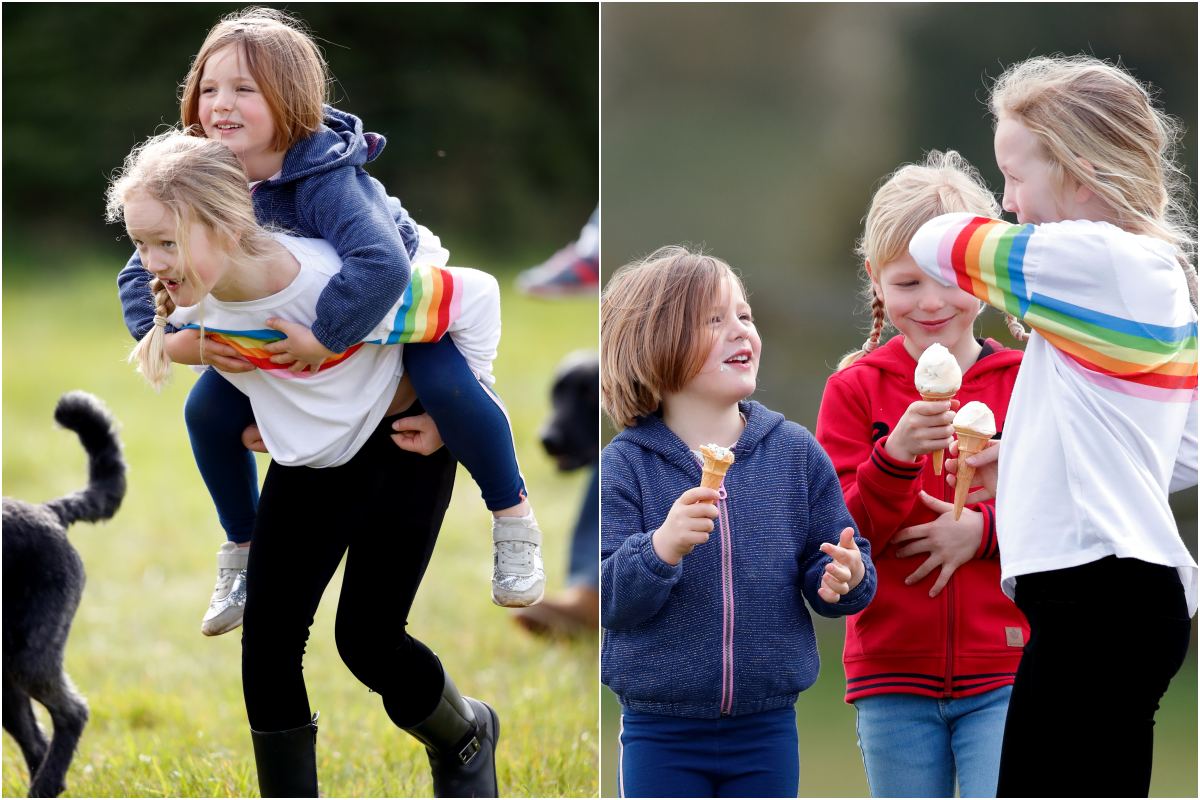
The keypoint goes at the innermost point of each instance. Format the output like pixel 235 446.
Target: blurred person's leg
pixel 573 270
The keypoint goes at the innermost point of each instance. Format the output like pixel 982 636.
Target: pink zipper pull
pixel 721 493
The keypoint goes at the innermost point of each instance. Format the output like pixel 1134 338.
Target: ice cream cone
pixel 717 461
pixel 970 442
pixel 939 454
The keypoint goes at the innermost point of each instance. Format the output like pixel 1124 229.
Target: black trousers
pixel 1105 640
pixel 382 510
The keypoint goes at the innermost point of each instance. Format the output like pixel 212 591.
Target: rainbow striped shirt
pixel 1063 281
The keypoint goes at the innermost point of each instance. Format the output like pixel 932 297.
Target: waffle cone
pixel 712 478
pixel 715 466
pixel 939 454
pixel 969 443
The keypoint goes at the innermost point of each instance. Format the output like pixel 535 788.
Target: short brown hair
pixel 652 333
pixel 284 61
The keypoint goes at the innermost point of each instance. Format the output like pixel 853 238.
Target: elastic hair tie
pixel 160 321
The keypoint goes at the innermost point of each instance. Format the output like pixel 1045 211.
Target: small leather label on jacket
pixel 1014 637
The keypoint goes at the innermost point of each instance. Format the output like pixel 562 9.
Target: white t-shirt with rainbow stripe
pixel 1102 421
pixel 322 419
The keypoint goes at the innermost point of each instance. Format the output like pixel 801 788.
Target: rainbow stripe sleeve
pixel 988 258
pixel 432 301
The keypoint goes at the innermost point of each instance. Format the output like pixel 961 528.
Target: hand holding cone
pixel 938 455
pixel 974 425
pixel 717 461
pixel 937 377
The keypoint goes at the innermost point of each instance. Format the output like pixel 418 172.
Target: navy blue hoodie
pixel 323 192
pixel 726 631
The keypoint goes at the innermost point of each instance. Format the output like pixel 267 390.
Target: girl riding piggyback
pixel 707 639
pixel 258 86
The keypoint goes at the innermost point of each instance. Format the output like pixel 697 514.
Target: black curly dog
pixel 43 582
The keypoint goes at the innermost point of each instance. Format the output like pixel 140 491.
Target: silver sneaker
pixel 228 602
pixel 518 578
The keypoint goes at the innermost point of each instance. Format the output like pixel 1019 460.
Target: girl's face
pixel 1030 190
pixel 923 310
pixel 151 226
pixel 730 371
pixel 233 111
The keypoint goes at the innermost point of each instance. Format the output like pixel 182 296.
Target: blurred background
pixel 491 115
pixel 761 131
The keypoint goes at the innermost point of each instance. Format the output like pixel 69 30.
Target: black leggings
pixel 384 508
pixel 1105 640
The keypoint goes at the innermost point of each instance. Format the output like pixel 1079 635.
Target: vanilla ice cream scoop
pixel 937 372
pixel 977 417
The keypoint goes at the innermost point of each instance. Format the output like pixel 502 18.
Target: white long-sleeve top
pixel 1102 421
pixel 322 419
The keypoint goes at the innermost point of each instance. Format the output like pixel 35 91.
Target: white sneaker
pixel 518 578
pixel 228 602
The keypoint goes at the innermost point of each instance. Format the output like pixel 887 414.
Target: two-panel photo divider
pixel 599 399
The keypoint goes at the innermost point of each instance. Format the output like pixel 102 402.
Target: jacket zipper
pixel 726 605
pixel 947 690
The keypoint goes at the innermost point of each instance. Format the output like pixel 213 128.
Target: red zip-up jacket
pixel 969 638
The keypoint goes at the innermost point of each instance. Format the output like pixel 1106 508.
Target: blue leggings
pixel 753 755
pixel 470 419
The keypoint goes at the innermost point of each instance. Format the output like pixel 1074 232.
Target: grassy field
pixel 167 717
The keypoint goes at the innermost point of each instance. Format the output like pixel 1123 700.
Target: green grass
pixel 830 762
pixel 167 717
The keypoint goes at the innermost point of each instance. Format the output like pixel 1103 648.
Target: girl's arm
pixel 879 491
pixel 634 582
pixel 350 210
pixel 1103 298
pixel 137 304
pixel 828 516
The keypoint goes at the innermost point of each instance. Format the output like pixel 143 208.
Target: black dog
pixel 572 434
pixel 43 582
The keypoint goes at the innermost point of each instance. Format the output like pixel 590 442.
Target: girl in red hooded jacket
pixel 930 663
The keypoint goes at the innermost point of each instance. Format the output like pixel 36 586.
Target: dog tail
pixel 97 430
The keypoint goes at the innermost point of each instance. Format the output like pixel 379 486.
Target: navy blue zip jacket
pixel 323 192
pixel 726 631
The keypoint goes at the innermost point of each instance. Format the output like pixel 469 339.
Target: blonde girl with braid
pixel 1102 424
pixel 338 486
pixel 930 663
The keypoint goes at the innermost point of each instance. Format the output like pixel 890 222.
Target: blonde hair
pixel 1084 109
pixel 907 199
pixel 284 61
pixel 652 333
pixel 198 181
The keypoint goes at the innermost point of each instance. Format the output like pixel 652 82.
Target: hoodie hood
pixel 652 434
pixel 338 142
pixel 891 358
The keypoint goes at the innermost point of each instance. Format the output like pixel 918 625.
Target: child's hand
pixel 986 463
pixel 688 523
pixel 300 349
pixel 925 428
pixel 417 434
pixel 949 542
pixel 845 571
pixel 252 439
pixel 183 347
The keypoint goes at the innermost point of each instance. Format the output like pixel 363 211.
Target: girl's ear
pixel 1082 194
pixel 875 287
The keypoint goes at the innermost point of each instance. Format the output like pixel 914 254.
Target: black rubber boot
pixel 287 761
pixel 460 737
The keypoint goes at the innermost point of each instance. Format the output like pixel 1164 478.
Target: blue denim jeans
pixel 915 746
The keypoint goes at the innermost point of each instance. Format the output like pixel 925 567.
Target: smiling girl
pixel 707 641
pixel 931 662
pixel 1102 425
pixel 258 86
